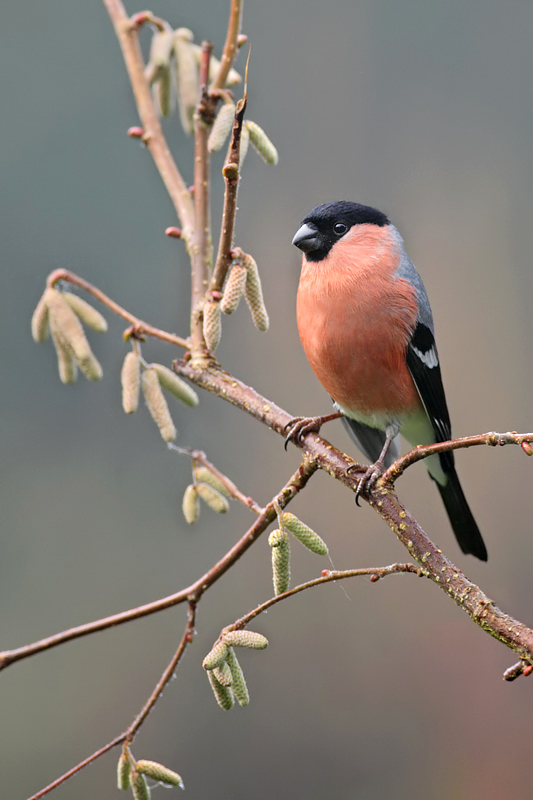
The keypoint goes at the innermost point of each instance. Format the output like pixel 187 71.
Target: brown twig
pixel 200 457
pixel 139 326
pixel 230 46
pixel 382 499
pixel 231 177
pixel 127 34
pixel 190 594
pixel 423 451
pixel 129 734
pixel 201 255
pixel 332 575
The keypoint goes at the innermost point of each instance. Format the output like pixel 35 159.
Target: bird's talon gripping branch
pixel 368 480
pixel 298 427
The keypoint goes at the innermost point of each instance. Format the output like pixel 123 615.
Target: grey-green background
pixel 423 109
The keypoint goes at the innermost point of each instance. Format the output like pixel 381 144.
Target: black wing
pixel 423 364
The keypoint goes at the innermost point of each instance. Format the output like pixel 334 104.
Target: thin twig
pixel 231 177
pixel 230 47
pixel 423 451
pixel 127 35
pixel 132 729
pixel 200 457
pixel 140 327
pixel 332 575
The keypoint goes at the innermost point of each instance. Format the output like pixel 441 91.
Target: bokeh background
pixel 423 109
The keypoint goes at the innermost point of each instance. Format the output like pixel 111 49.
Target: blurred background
pixel 366 691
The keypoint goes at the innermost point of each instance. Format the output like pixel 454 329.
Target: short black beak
pixel 306 238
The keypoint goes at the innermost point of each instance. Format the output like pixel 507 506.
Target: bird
pixel 367 330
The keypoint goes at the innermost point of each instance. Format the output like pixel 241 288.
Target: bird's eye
pixel 340 228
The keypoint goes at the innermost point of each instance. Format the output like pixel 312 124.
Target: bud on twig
pixel 221 127
pixel 158 772
pixel 212 498
pixel 130 377
pixel 304 534
pixel 262 143
pixel 234 289
pixel 123 772
pixel 212 325
pixel 281 558
pixel 206 476
pixel 87 313
pixel 238 683
pixel 191 504
pixel 223 694
pixel 157 405
pixel 186 77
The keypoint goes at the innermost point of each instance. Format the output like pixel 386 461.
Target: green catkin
pixel 139 787
pixel 221 127
pixel 281 558
pixel 191 504
pixel 212 325
pixel 204 475
pixel 223 694
pixel 212 498
pixel 250 639
pixel 216 656
pixel 234 289
pixel 175 385
pixel 86 312
pixel 186 77
pixel 254 294
pixel 260 141
pixel 223 674
pixel 158 772
pixel 304 534
pixel 157 405
pixel 130 378
pixel 238 682
pixel 39 320
pixel 123 772
pixel 67 328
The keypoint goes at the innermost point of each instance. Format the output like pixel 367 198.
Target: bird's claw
pixel 298 427
pixel 368 480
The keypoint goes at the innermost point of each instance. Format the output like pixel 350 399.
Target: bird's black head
pixel 328 223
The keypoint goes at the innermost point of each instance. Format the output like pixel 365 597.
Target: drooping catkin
pixel 223 674
pixel 223 694
pixel 221 127
pixel 175 385
pixel 123 772
pixel 212 498
pixel 238 682
pixel 68 370
pixel 244 144
pixel 68 329
pixel 86 312
pixel 139 787
pixel 254 294
pixel 130 377
pixel 216 656
pixel 204 475
pixel 157 405
pixel 304 534
pixel 158 772
pixel 186 77
pixel 212 325
pixel 191 504
pixel 250 639
pixel 234 289
pixel 158 70
pixel 281 560
pixel 39 320
pixel 260 141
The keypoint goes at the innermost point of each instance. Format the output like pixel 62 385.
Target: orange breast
pixel 355 320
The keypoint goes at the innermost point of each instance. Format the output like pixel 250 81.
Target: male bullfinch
pixel 367 330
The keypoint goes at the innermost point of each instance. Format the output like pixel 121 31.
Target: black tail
pixel 463 523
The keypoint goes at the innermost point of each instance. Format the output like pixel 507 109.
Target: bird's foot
pixel 369 478
pixel 298 427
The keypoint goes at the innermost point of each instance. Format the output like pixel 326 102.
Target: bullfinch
pixel 367 330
